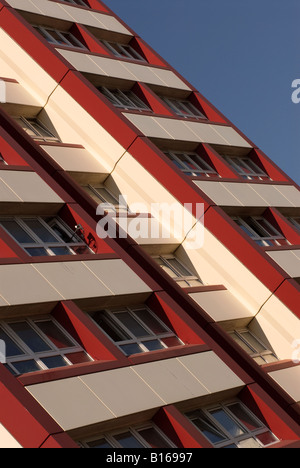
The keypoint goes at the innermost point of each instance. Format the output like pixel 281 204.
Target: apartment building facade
pixel 124 341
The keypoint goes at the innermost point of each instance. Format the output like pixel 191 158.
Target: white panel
pixel 74 159
pixel 287 260
pixel 231 135
pixel 221 305
pixel 289 380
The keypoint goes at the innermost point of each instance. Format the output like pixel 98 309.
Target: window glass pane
pixel 61 251
pixel 266 438
pixel 227 422
pixel 231 446
pixel 78 358
pixel 150 321
pixel 66 237
pixel 130 349
pixel 54 334
pixel 40 230
pixel 17 232
pixel 166 267
pixel 153 438
pixel 246 419
pixel 253 342
pixel 249 443
pixel 153 345
pixel 179 267
pixel 171 341
pixel 56 37
pixel 132 324
pixel 241 343
pixel 127 440
pixel 11 348
pixel 40 130
pixel 37 251
pixel 213 434
pixel 24 367
pixel 69 37
pixel 81 250
pixel 98 444
pixel 110 327
pixel 54 361
pixel 30 337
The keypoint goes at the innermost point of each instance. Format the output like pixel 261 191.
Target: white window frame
pixel 39 243
pixel 133 101
pixel 254 172
pixel 255 354
pixel 190 109
pixel 126 49
pixel 46 33
pixel 230 439
pixel 117 207
pixel 29 355
pixel 192 158
pixel 135 431
pixel 180 278
pixel 267 240
pixel 118 326
pixel 33 124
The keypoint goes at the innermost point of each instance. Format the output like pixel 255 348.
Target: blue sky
pixel 241 55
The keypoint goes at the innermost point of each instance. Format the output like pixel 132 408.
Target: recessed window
pixel 36 344
pixel 76 2
pixel 59 38
pixel 191 164
pixel 178 271
pixel 123 51
pixel 147 436
pixel 246 168
pixel 261 231
pixel 184 108
pixel 44 236
pixel 295 222
pixel 253 346
pixel 110 203
pixel 136 330
pixel 36 129
pixel 232 425
pixel 126 100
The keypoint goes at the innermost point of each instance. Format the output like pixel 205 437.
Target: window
pixel 147 436
pixel 136 330
pixel 178 271
pixel 126 100
pixel 295 222
pixel 76 2
pixel 59 38
pixel 102 195
pixel 191 164
pixel 261 231
pixel 36 344
pixel 246 168
pixel 49 236
pixel 2 161
pixel 36 129
pixel 253 346
pixel 184 108
pixel 123 51
pixel 232 425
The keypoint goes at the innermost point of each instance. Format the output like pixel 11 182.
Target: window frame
pixel 265 241
pixel 191 111
pixel 47 246
pixel 256 355
pixel 295 221
pixel 255 173
pixel 115 95
pixel 118 208
pixel 119 327
pixel 45 31
pixel 30 355
pixel 129 51
pixel 31 126
pixel 184 167
pixel 76 2
pixel 248 434
pixel 180 278
pixel 110 437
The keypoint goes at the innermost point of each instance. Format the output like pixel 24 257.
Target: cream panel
pixel 218 193
pixel 170 79
pixel 277 326
pixel 117 276
pixel 288 260
pixel 6 194
pixel 291 193
pixel 74 159
pixel 71 403
pixel 16 94
pixel 71 120
pixel 144 74
pixel 24 5
pixel 289 380
pixel 22 284
pixel 206 133
pixel 26 71
pixel 73 280
pixel 149 126
pixel 51 9
pixel 6 70
pixel 29 187
pixel 232 137
pixel 213 373
pixel 272 196
pixel 7 441
pixel 245 194
pixel 80 61
pixel 178 129
pixel 112 68
pixel 221 305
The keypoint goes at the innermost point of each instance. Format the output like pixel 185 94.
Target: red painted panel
pixel 59 441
